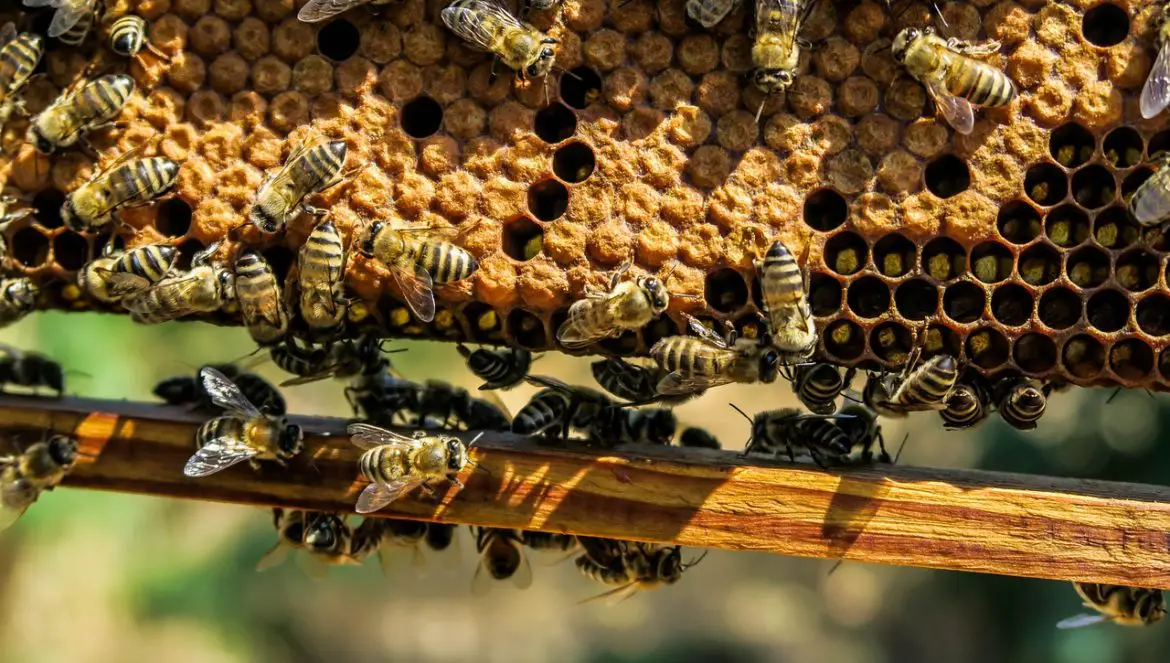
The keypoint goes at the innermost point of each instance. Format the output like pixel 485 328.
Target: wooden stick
pixel 1063 529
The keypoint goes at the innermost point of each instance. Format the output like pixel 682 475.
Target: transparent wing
pixel 69 12
pixel 7 33
pixel 225 394
pixel 368 437
pixel 709 12
pixel 1156 92
pixel 313 566
pixel 430 232
pixel 274 557
pixel 675 384
pixel 39 3
pixel 957 110
pixel 703 332
pixel 377 495
pixel 522 578
pixel 550 383
pixel 417 291
pixel 476 21
pixel 782 17
pixel 324 374
pixel 124 188
pixel 574 332
pixel 319 10
pixel 615 595
pixel 122 284
pixel 180 290
pixel 217 455
pixel 9 514
pixel 1081 620
pixel 482 581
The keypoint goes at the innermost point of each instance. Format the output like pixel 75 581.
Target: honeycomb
pixel 1011 245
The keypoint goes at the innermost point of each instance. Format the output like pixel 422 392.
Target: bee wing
pixel 377 495
pixel 122 284
pixel 481 582
pixel 675 384
pixel 431 232
pixel 225 394
pixel 957 110
pixel 9 514
pixel 710 12
pixel 476 21
pixel 69 12
pixel 615 595
pixel 319 10
pixel 324 374
pixel 274 557
pixel 522 578
pixel 368 437
pixel 218 454
pixel 574 332
pixel 181 286
pixel 7 33
pixel 703 332
pixel 1078 621
pixel 1156 92
pixel 417 291
pixel 781 17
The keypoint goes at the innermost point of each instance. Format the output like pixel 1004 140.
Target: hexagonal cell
pixel 1137 270
pixel 581 88
pixel 47 204
pixel 1159 143
pixel 548 200
pixel 1107 310
pixel 947 176
pixel 825 210
pixel 526 330
pixel 1071 145
pixel 30 247
pixel 1133 181
pixel 991 262
pixel 1088 267
pixel 174 217
pixel 868 297
pixel 421 117
pixel 1060 308
pixel 483 322
pixel 916 299
pixel 893 255
pixel 70 251
pixel 1153 315
pixel 1046 184
pixel 1018 222
pixel 846 253
pixel 1093 186
pixel 574 162
pixel 555 123
pixel 185 251
pixel 844 340
pixel 940 339
pixel 1067 226
pixel 1083 356
pixel 824 294
pixel 750 326
pixel 964 301
pixel 1131 359
pixel 1039 264
pixel 1105 25
pixel 1113 228
pixel 1011 304
pixel 1034 353
pixel 338 40
pixel 725 290
pixel 891 342
pixel 987 348
pixel 522 239
pixel 1123 147
pixel 943 259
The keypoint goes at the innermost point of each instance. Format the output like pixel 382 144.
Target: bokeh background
pixel 90 576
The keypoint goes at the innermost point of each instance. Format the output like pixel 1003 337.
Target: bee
pixel 311 167
pixel 346 358
pixel 124 183
pixel 439 536
pixel 616 425
pixel 128 36
pixel 32 370
pixel 818 385
pixel 243 433
pixel 259 295
pixel 1021 402
pixel 708 13
pixel 955 75
pixel 529 6
pixel 500 369
pixel 1150 203
pixel 915 389
pixel 559 406
pixel 23 477
pixel 382 396
pixel 629 305
pixel 19 56
pixel 968 406
pixel 109 278
pixel 1156 91
pixel 501 557
pixel 321 278
pixel 698 438
pixel 316 11
pixel 443 402
pixel 696 364
pixel 634 383
pixel 7 217
pixel 72 21
pixel 785 296
pixel 1128 606
pixel 487 25
pixel 74 114
pixel 631 566
pixel 325 536
pixel 395 465
pixel 188 390
pixel 549 541
pixel 18 298
pixel 792 430
pixel 205 288
pixel 776 51
pixel 417 264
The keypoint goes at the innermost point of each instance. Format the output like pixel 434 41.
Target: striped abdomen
pixel 317 167
pixel 444 261
pixel 100 100
pixel 690 356
pixel 128 35
pixel 501 369
pixel 625 380
pixel 261 304
pixel 18 59
pixel 547 409
pixel 150 262
pixel 226 426
pixel 614 573
pixel 199 291
pixel 384 464
pixel 978 82
pixel 821 435
pixel 320 264
pixel 1022 406
pixel 966 408
pixel 80 30
pixel 1150 204
pixel 818 386
pixel 141 180
pixel 781 282
pixel 929 385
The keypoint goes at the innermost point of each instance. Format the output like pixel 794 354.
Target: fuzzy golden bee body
pixel 320 278
pixel 205 288
pixel 311 167
pixel 418 260
pixel 259 295
pixel 790 320
pixel 1128 606
pixel 628 306
pixel 19 55
pixel 696 363
pixel 125 183
pixel 395 465
pixel 91 106
pixel 112 277
pixel 18 298
pixel 488 26
pixel 23 477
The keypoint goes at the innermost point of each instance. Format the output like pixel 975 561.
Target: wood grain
pixel 1010 524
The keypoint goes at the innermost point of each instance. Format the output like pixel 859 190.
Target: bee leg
pixel 455 480
pixel 315 211
pixel 492 71
pixel 158 52
pixel 255 465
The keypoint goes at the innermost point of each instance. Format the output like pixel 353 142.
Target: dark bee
pixel 1021 402
pixel 558 406
pixel 382 397
pixel 188 390
pixel 634 383
pixel 31 370
pixel 915 389
pixel 447 403
pixel 616 425
pixel 549 541
pixel 342 359
pixel 501 557
pixel 439 536
pixel 698 438
pixel 791 430
pixel 631 566
pixel 818 385
pixel 500 369
pixel 968 406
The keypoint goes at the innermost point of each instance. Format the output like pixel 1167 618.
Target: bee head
pixel 769 365
pixel 1151 607
pixel 367 244
pixel 456 455
pixel 292 440
pixel 260 217
pixel 660 426
pixel 669 566
pixel 655 292
pixel 902 42
pixel 38 139
pixel 23 292
pixel 227 285
pixel 544 61
pixel 322 534
pixel 62 449
pixel 773 80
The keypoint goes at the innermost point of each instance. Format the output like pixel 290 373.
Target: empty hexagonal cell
pixel 1018 222
pixel 185 251
pixel 846 253
pixel 1153 314
pixel 868 297
pixel 725 290
pixel 1011 304
pixel 991 262
pixel 1113 228
pixel 824 294
pixel 1083 356
pixel 916 299
pixel 944 259
pixel 894 255
pixel 1131 359
pixel 1039 264
pixel 1137 270
pixel 1067 226
pixel 70 251
pixel 30 247
pixel 522 239
pixel 947 176
pixel 1107 310
pixel 1093 186
pixel 1088 267
pixel 1133 182
pixel 526 329
pixel 964 301
pixel 844 340
pixel 940 339
pixel 987 348
pixel 421 117
pixel 338 40
pixel 1123 147
pixel 555 123
pixel 47 204
pixel 174 217
pixel 548 200
pixel 1046 184
pixel 1158 144
pixel 1105 25
pixel 1060 308
pixel 1034 353
pixel 574 162
pixel 280 259
pixel 825 210
pixel 582 88
pixel 891 342
pixel 483 322
pixel 1071 145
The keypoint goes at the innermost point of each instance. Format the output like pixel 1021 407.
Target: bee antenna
pixel 835 567
pixel 695 562
pixel 901 447
pixel 475 439
pixel 760 110
pixel 566 72
pixel 745 414
pixel 1113 395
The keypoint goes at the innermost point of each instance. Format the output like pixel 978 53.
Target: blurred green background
pixel 92 576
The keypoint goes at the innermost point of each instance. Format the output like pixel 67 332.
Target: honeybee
pixel 325 536
pixel 72 21
pixel 792 430
pixel 818 385
pixel 501 557
pixel 549 541
pixel 631 566
pixel 311 167
pixel 316 11
pixel 395 465
pixel 7 201
pixel 500 369
pixel 968 406
pixel 698 438
pixel 124 183
pixel 1150 203
pixel 111 277
pixel 487 25
pixel 74 114
pixel 31 370
pixel 243 433
pixel 629 305
pixel 617 424
pixel 18 298
pixel 128 36
pixel 558 406
pixel 776 51
pixel 955 75
pixel 1156 92
pixel 321 278
pixel 1128 606
pixel 382 396
pixel 785 296
pixel 708 13
pixel 443 402
pixel 915 389
pixel 19 55
pixel 188 390
pixel 259 295
pixel 417 264
pixel 1021 402
pixel 696 364
pixel 25 476
pixel 529 6
pixel 205 288
pixel 346 358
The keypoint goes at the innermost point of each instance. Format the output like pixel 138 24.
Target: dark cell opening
pixel 1018 222
pixel 1105 25
pixel 527 330
pixel 894 255
pixel 1159 143
pixel 581 88
pixel 548 200
pixel 1133 181
pixel 916 299
pixel 483 322
pixel 1083 356
pixel 174 217
pixel 30 247
pixel 991 262
pixel 280 259
pixel 338 40
pixel 891 342
pixel 47 204
pixel 555 123
pixel 1123 147
pixel 574 162
pixel 1137 270
pixel 1131 359
pixel 846 253
pixel 825 210
pixel 824 294
pixel 523 239
pixel 947 176
pixel 725 290
pixel 987 348
pixel 1153 315
pixel 70 251
pixel 844 340
pixel 1164 364
pixel 943 258
pixel 1067 226
pixel 622 346
pixel 1035 353
pixel 1039 264
pixel 964 301
pixel 1060 308
pixel 1114 229
pixel 421 117
pixel 1107 310
pixel 186 251
pixel 868 297
pixel 658 330
pixel 1093 186
pixel 1011 304
pixel 1088 267
pixel 1045 184
pixel 1071 145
